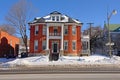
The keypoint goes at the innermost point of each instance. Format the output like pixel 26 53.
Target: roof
pixel 114 27
pixel 55 12
pixel 63 18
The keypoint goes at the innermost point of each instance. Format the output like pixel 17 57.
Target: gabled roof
pixel 117 30
pixel 55 12
pixel 64 18
pixel 114 27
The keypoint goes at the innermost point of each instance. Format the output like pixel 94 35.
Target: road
pixel 88 76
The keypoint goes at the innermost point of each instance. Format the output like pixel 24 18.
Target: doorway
pixel 55 51
pixel 55 47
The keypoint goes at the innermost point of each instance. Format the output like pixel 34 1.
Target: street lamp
pixel 109 37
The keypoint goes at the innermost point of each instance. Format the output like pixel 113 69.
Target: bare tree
pixel 18 16
pixel 9 29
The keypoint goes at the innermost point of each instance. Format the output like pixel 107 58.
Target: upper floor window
pixel 44 30
pixel 73 30
pixel 55 32
pixel 53 18
pixel 66 30
pixel 57 18
pixel 36 30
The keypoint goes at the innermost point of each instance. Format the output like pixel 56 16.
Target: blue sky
pixel 86 11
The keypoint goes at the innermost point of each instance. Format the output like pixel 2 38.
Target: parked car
pixel 24 54
pixel 118 53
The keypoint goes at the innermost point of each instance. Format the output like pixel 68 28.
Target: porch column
pixel 62 37
pixel 47 40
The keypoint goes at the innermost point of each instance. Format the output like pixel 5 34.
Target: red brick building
pixel 55 34
pixel 8 44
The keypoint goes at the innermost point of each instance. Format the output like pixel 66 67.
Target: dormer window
pixel 57 18
pixel 53 18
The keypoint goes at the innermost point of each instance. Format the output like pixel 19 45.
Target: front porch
pixel 54 49
pixel 54 40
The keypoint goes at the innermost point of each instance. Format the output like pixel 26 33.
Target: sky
pixel 85 11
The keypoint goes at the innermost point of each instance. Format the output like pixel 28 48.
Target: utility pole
pixel 90 25
pixel 109 36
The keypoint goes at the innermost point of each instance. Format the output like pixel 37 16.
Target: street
pixel 81 76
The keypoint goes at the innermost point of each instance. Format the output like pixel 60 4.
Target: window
pixel 65 45
pixel 65 30
pixel 43 44
pixel 53 18
pixel 55 32
pixel 74 45
pixel 57 18
pixel 73 30
pixel 35 45
pixel 44 30
pixel 36 30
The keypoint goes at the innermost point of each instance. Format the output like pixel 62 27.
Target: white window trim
pixel 55 18
pixel 73 27
pixel 66 27
pixel 43 44
pixel 44 30
pixel 52 18
pixel 67 45
pixel 75 45
pixel 35 44
pixel 58 17
pixel 36 29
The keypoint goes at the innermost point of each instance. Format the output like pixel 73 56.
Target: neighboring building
pixel 93 38
pixel 8 45
pixel 22 48
pixel 55 34
pixel 114 35
pixel 85 45
pixel 93 31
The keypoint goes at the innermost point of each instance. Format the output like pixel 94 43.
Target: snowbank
pixel 64 60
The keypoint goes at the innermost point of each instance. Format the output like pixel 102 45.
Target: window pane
pixel 57 18
pixel 66 30
pixel 73 30
pixel 53 18
pixel 44 30
pixel 66 45
pixel 74 45
pixel 36 30
pixel 36 45
pixel 44 45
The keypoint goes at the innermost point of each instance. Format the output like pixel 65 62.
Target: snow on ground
pixel 64 60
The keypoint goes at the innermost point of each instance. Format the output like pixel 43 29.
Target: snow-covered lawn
pixel 64 60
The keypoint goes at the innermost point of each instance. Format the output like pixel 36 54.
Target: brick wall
pixel 8 44
pixel 68 37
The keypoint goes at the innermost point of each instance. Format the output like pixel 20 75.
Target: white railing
pixel 55 34
pixel 56 52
